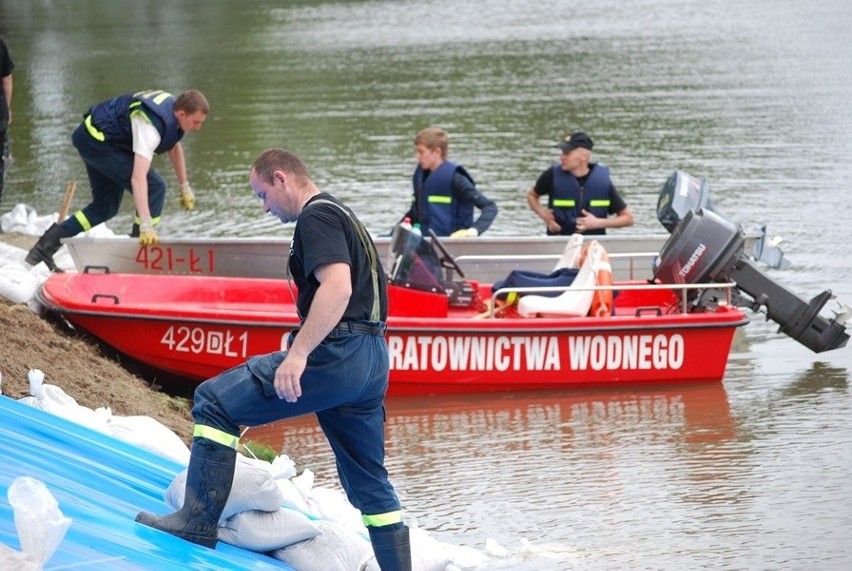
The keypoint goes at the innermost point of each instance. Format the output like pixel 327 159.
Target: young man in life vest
pixel 117 141
pixel 580 194
pixel 444 192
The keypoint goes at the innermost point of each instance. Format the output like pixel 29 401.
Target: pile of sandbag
pixel 255 516
pixel 270 509
pixel 273 511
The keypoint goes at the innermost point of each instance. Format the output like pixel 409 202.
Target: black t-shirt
pixel 324 235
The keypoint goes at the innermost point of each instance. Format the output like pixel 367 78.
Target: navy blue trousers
pixel 344 383
pixel 109 171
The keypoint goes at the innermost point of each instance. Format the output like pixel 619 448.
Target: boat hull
pixel 485 259
pixel 196 328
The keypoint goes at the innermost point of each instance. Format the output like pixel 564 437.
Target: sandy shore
pixel 77 364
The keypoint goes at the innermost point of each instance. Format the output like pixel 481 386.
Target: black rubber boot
pixel 46 246
pixel 208 484
pixel 392 547
pixel 134 230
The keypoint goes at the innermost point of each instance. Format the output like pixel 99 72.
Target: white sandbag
pixel 23 219
pixel 283 468
pixel 429 554
pixel 102 231
pixel 150 434
pixel 74 413
pixel 336 548
pixel 465 557
pixel 304 482
pixel 63 260
pixel 291 496
pixel 253 489
pixel 267 531
pixel 54 400
pixel 13 256
pixel 332 505
pixel 18 284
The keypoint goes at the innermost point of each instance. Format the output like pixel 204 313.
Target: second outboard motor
pixel 706 247
pixel 680 194
pixel 683 192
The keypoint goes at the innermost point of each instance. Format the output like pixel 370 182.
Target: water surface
pixel 755 96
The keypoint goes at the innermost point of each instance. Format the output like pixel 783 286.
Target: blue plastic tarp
pixel 101 483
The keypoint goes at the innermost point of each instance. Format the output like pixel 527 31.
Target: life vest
pixel 569 199
pixel 434 204
pixel 110 120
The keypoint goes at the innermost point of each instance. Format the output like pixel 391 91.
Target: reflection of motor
pixel 704 247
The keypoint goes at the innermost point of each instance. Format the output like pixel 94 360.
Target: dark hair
pixel 272 160
pixel 192 101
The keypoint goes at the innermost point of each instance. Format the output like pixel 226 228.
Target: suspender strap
pixel 372 255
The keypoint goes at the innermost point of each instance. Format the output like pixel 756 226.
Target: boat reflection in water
pixel 688 414
pixel 511 466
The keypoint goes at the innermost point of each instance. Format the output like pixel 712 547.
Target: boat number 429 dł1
pixel 184 339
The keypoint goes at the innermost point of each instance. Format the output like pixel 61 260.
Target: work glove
pixel 187 197
pixel 147 234
pixel 465 233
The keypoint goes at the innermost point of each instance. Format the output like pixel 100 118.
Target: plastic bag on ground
pixel 38 520
pixel 11 560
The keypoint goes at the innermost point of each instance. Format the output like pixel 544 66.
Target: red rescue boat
pixel 196 327
pixel 448 335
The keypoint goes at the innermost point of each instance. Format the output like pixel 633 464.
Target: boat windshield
pixel 415 262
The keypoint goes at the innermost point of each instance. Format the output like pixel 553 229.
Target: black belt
pixel 358 327
pixel 347 327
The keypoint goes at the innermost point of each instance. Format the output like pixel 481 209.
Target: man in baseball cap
pixel 581 198
pixel 576 140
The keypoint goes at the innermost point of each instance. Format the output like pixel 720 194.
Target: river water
pixel 755 96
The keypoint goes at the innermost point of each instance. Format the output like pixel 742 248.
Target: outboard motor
pixel 680 194
pixel 706 247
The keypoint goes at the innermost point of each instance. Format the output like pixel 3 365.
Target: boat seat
pixel 575 301
pixel 571 253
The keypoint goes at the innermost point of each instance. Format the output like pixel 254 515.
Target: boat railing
pixel 683 290
pixel 517 259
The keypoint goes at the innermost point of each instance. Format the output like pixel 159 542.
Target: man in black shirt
pixel 336 367
pixel 580 194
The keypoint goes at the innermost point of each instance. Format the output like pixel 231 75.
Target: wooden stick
pixel 66 200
